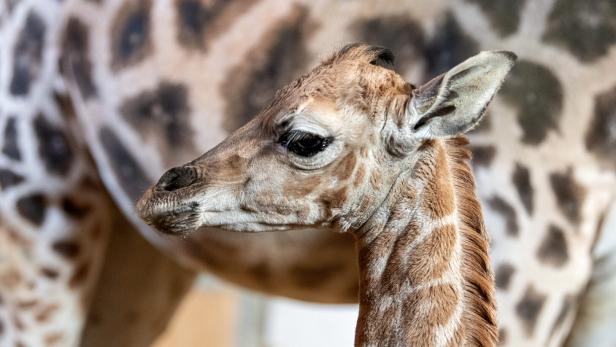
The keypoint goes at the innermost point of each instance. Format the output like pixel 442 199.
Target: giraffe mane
pixel 479 316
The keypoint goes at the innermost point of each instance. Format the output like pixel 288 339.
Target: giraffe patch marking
pixel 449 298
pixel 345 167
pixel 28 54
pixel 483 155
pixel 504 273
pixel 569 194
pixel 504 16
pixel 45 314
pixel 33 208
pixel 199 22
pixel 162 113
pixel 501 206
pixel 131 41
pixel 502 336
pixel 521 181
pixel 73 208
pixel 130 175
pixel 601 136
pixel 359 175
pixel 274 62
pixel 10 145
pixel 27 304
pixel 194 18
pixel 75 56
pixel 53 146
pixel 49 273
pixel 585 28
pixel 529 308
pixel 9 179
pixel 450 46
pixel 53 338
pixel 293 189
pixel 400 33
pixel 431 258
pixel 69 249
pixel 537 95
pixel 553 250
pixel 80 274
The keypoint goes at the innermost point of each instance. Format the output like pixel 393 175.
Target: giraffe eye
pixel 303 143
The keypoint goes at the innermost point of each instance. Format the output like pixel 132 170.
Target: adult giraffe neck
pixel 425 276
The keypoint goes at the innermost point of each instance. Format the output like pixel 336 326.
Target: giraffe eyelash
pixel 303 143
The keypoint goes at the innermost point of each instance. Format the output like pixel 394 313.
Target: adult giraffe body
pixel 173 78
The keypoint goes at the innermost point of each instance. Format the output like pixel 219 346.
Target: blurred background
pixel 100 97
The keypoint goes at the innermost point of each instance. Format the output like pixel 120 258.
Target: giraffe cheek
pixel 332 201
pixel 299 189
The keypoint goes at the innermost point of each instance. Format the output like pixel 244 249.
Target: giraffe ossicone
pixel 352 146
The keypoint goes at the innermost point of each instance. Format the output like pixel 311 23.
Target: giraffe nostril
pixel 176 178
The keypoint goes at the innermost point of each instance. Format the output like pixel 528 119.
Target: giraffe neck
pixel 425 278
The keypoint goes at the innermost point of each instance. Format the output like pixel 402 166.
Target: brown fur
pixel 431 259
pixel 345 167
pixel 376 180
pixel 438 200
pixel 46 312
pixel 364 93
pixel 359 176
pixel 53 339
pixel 212 25
pixel 81 273
pixel 479 317
pixel 449 183
pixel 423 309
pixel 306 187
pixel 124 14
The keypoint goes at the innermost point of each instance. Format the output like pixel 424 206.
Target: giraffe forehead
pixel 334 89
pixel 325 117
pixel 320 112
pixel 336 80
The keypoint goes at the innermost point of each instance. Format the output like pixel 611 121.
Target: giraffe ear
pixel 454 102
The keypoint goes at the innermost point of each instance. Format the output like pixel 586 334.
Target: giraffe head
pixel 327 150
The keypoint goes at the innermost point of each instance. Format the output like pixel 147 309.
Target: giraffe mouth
pixel 172 214
pixel 167 214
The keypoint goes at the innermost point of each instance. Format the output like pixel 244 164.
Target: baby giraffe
pixel 352 147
